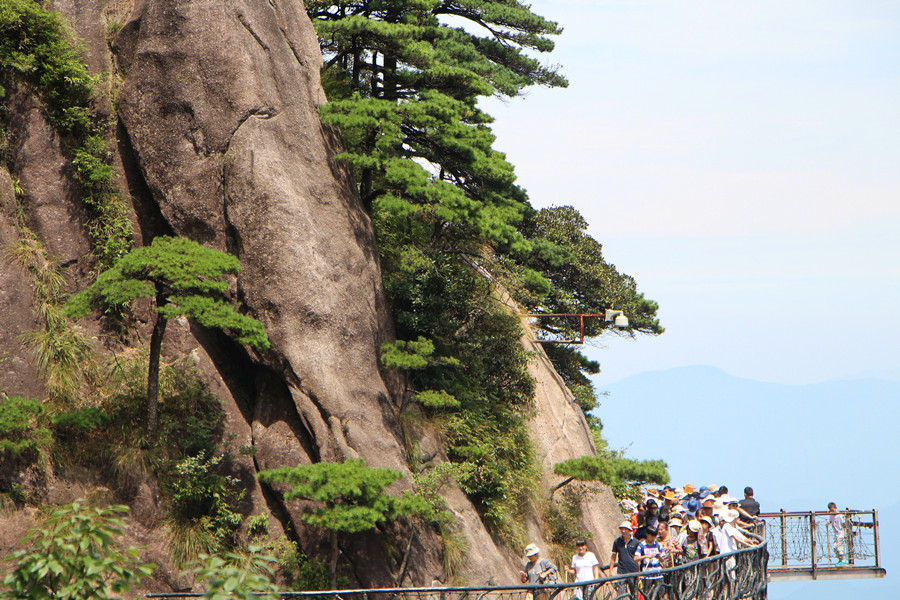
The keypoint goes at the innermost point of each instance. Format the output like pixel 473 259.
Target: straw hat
pixel 730 516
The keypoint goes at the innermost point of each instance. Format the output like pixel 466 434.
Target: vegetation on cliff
pixel 37 51
pixel 451 224
pixel 403 83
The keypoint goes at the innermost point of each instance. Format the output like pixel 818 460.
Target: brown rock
pixel 220 106
pixel 18 375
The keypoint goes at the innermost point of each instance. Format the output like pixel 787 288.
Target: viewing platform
pixel 803 545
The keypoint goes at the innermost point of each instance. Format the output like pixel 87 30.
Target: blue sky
pixel 741 162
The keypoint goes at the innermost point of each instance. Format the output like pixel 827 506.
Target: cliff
pixel 218 139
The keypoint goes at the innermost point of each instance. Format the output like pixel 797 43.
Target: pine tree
pixel 349 497
pixel 612 471
pixel 403 86
pixel 185 278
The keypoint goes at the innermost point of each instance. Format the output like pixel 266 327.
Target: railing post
pixel 848 533
pixel 812 540
pixel 783 539
pixel 877 538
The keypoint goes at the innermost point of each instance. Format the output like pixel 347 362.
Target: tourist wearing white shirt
pixel 585 566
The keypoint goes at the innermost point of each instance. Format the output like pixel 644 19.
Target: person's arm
pixel 549 567
pixel 597 571
pixel 612 561
pixel 740 537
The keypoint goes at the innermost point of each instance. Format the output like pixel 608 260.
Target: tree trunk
pixel 334 558
pixel 560 485
pixel 159 329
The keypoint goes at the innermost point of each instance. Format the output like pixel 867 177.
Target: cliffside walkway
pixel 803 546
pixel 736 576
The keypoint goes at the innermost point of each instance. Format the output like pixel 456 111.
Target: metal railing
pixel 736 576
pixel 820 540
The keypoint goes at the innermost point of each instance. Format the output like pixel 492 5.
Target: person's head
pixel 722 491
pixel 706 523
pixel 581 546
pixel 693 528
pixel 651 506
pixel 748 492
pixel 832 507
pixel 532 552
pixel 652 532
pixel 626 530
pixel 728 516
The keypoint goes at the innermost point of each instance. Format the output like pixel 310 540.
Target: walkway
pixel 740 575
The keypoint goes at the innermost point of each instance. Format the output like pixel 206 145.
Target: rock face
pixel 220 141
pixel 561 432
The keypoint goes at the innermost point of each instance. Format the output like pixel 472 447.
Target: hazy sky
pixel 742 162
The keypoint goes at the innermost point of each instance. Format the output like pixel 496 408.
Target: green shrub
pixel 190 417
pixel 234 576
pixel 80 419
pixel 22 435
pixel 202 506
pixel 74 556
pixel 563 518
pixel 303 572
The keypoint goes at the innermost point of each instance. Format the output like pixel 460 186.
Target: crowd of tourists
pixel 669 527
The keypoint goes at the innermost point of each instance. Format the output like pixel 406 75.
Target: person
pixel 727 539
pixel 652 494
pixel 637 519
pixel 692 507
pixel 836 523
pixel 728 536
pixel 690 544
pixel 622 557
pixel 650 556
pixel 651 517
pixel 537 570
pixel 669 543
pixel 707 509
pixel 749 503
pixel 707 539
pixel 585 566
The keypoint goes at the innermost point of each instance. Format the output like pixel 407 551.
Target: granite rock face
pixel 220 141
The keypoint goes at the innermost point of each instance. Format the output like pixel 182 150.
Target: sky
pixel 740 160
